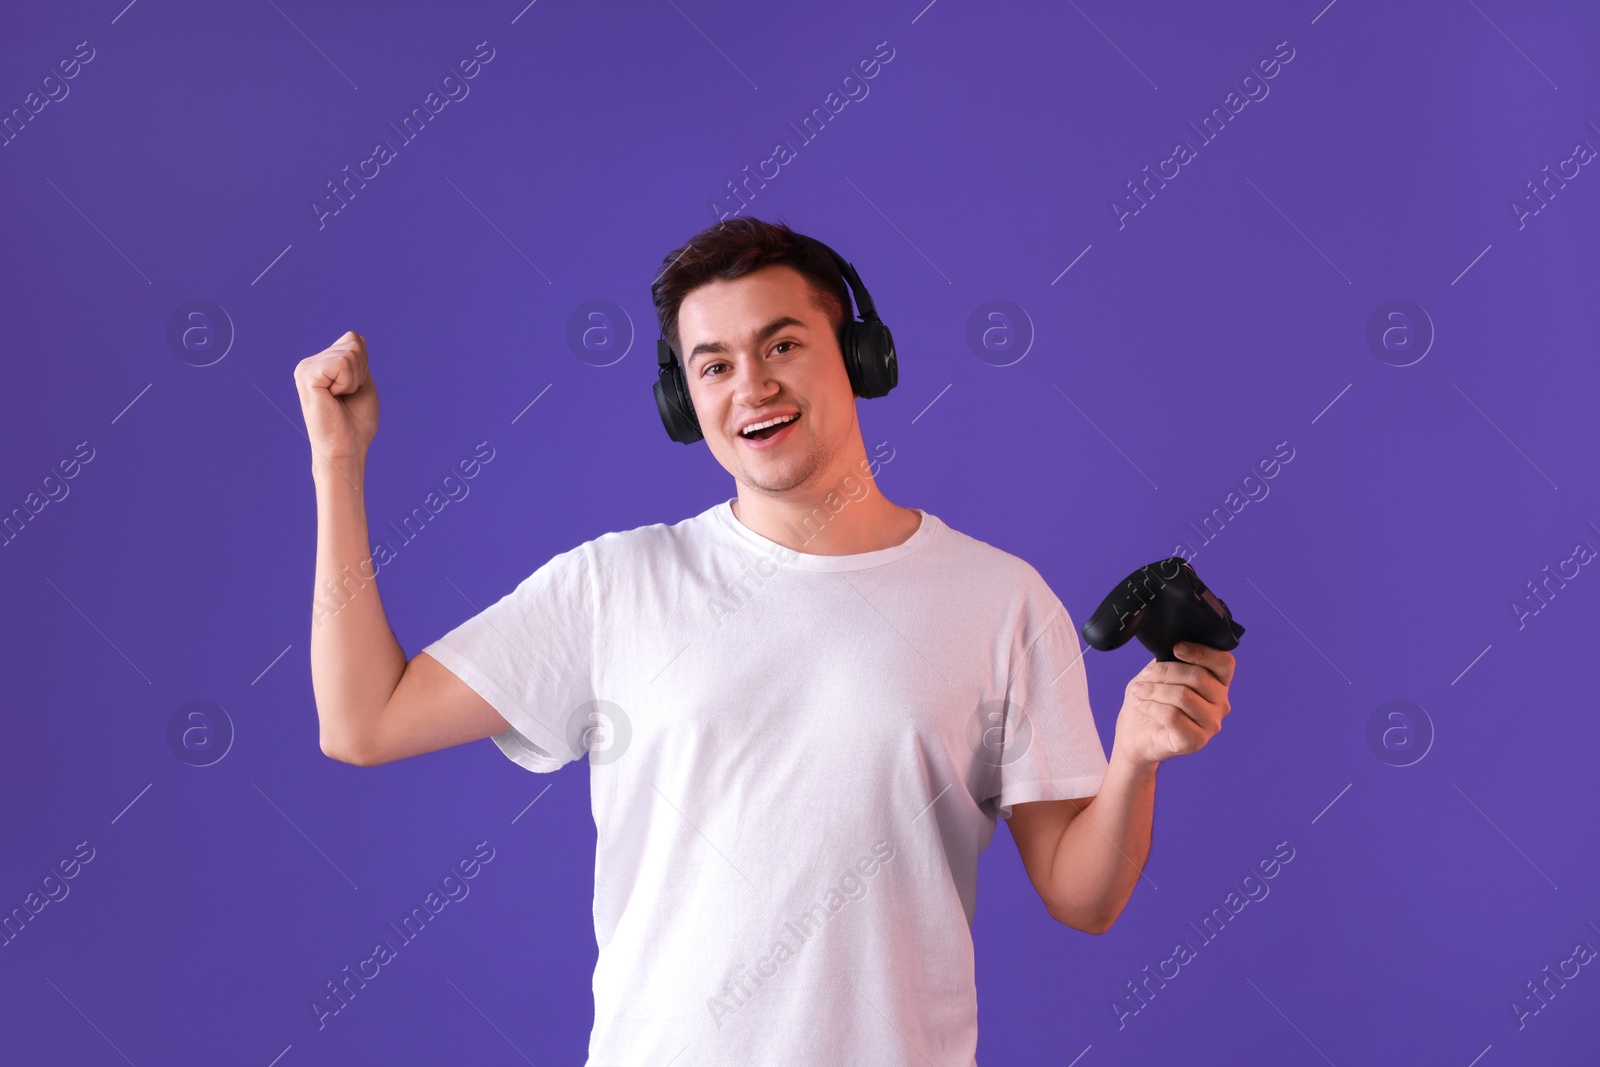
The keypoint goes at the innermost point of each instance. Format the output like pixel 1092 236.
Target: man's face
pixel 758 347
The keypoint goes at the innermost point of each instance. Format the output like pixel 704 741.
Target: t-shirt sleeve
pixel 1050 747
pixel 530 655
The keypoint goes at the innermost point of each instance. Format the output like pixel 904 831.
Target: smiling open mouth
pixel 762 435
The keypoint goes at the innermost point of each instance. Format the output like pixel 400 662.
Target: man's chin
pixel 775 482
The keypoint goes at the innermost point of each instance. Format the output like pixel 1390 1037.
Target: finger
pixel 321 374
pixel 1218 662
pixel 354 344
pixel 1187 735
pixel 1187 702
pixel 344 372
pixel 1193 652
pixel 1195 677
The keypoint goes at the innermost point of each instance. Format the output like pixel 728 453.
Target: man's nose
pixel 753 378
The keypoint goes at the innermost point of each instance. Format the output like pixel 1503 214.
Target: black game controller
pixel 1163 604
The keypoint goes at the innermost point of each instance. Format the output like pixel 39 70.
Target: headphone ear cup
pixel 871 358
pixel 849 341
pixel 677 410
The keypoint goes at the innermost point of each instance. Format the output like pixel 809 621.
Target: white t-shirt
pixel 795 760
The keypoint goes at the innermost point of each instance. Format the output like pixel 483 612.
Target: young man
pixel 804 708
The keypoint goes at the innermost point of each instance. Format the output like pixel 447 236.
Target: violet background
pixel 1174 354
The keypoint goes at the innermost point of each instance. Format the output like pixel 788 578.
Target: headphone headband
pixel 865 309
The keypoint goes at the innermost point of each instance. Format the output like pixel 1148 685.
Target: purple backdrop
pixel 1366 274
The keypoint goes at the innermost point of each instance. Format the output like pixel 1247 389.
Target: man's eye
pixel 706 371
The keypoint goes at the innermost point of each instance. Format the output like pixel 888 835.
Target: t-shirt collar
pixel 730 524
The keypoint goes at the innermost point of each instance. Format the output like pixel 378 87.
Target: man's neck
pixel 840 526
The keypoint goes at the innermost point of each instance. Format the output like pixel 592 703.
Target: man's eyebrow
pixel 709 347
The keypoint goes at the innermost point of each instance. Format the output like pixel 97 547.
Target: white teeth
pixel 748 430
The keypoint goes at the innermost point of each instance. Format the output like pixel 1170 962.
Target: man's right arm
pixel 372 705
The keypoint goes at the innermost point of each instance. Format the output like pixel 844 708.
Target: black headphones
pixel 867 346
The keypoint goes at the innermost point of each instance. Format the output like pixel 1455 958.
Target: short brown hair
pixel 733 248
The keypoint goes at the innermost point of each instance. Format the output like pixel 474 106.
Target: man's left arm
pixel 1085 856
